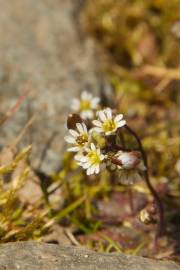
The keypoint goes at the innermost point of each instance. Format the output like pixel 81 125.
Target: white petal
pixel 97 169
pixel 108 113
pixel 87 149
pixel 89 114
pixel 118 117
pixel 89 171
pixel 86 114
pixel 121 123
pixel 86 165
pixel 95 102
pixel 93 168
pixel 102 116
pixel 70 139
pixel 86 96
pixel 84 159
pixel 91 130
pixel 83 115
pixel 102 157
pixel 97 129
pixel 78 157
pixel 93 147
pixel 119 153
pixel 97 123
pixel 74 149
pixel 80 128
pixel 84 127
pixel 73 133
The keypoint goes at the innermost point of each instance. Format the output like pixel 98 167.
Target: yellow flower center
pixel 82 139
pixel 94 157
pixel 109 125
pixel 85 105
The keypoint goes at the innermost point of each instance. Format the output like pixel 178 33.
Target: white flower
pixel 85 105
pixel 91 160
pixel 79 138
pixel 107 123
pixel 131 165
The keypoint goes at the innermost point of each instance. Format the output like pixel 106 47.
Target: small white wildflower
pixel 131 165
pixel 79 138
pixel 107 123
pixel 85 105
pixel 91 160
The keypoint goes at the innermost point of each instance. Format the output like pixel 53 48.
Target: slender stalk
pixel 130 192
pixel 160 230
pixel 121 136
pixel 131 201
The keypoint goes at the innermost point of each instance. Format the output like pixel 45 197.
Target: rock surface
pixel 42 49
pixel 37 256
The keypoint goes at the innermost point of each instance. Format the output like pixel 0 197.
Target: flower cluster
pixel 92 120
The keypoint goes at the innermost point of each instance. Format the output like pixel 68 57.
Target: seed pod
pixel 72 120
pixel 145 217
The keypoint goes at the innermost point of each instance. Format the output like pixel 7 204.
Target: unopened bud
pixel 72 120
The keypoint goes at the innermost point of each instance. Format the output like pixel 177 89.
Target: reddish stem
pixel 130 192
pixel 160 230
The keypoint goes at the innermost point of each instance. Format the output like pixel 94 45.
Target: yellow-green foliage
pixel 17 220
pixel 136 31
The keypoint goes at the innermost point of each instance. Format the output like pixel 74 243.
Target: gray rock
pixel 38 256
pixel 41 49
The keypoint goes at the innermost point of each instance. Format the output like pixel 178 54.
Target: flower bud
pixel 129 160
pixel 145 217
pixel 72 120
